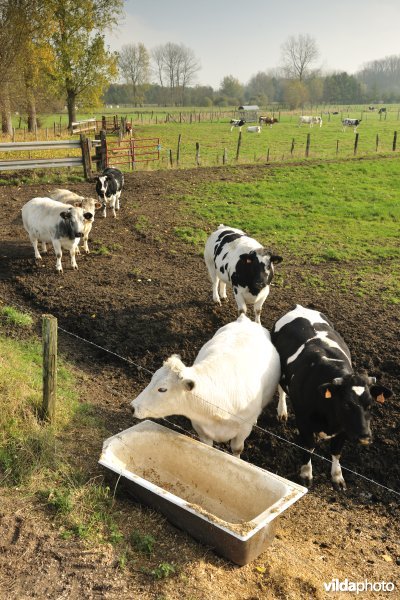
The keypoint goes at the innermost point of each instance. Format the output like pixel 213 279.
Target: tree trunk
pixel 71 99
pixel 5 107
pixel 31 109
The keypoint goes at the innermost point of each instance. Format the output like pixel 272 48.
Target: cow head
pixel 101 186
pixel 71 223
pixel 352 397
pixel 166 393
pixel 255 269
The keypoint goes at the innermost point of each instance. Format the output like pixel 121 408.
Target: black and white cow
pixel 237 123
pixel 382 110
pixel 328 398
pixel 233 257
pixel 109 188
pixel 47 220
pixel 351 123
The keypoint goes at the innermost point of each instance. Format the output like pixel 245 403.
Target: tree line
pixel 53 54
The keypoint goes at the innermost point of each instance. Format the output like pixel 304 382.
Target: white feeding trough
pixel 222 501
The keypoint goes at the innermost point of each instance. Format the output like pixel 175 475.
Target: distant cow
pixel 237 123
pixel 268 120
pixel 382 110
pixel 47 220
pixel 330 401
pixel 232 379
pixel 233 257
pixel 351 123
pixel 254 129
pixel 109 188
pixel 310 120
pixel 89 206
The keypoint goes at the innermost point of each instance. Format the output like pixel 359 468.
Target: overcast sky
pixel 240 38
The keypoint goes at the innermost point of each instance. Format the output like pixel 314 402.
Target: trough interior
pixel 212 481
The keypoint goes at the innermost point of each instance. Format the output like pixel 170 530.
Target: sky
pixel 240 38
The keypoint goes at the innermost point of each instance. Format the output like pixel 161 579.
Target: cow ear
pixel 78 203
pixel 97 205
pixel 380 393
pixel 188 384
pixel 275 259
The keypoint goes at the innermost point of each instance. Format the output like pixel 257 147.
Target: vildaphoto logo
pixel 358 586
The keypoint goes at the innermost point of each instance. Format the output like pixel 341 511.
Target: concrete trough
pixel 226 503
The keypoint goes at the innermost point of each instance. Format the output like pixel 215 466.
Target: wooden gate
pixel 131 151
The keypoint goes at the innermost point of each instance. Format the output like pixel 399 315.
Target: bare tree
pixel 298 54
pixel 134 62
pixel 175 68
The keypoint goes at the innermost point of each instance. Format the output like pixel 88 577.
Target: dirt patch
pixel 144 295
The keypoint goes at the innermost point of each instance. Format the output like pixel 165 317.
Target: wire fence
pixel 219 408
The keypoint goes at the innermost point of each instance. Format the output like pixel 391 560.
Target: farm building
pixel 249 113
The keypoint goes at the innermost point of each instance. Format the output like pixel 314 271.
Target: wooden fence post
pixel 356 144
pixel 394 141
pixel 308 144
pixel 292 147
pixel 197 153
pixel 238 145
pixel 337 147
pixel 170 158
pixel 377 143
pixel 103 150
pixel 86 159
pixel 49 339
pixel 225 157
pixel 178 152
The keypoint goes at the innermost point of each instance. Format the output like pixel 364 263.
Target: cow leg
pixel 103 208
pixel 222 290
pixel 337 444
pixel 237 443
pixel 241 304
pixel 307 442
pixel 112 205
pixel 257 309
pixel 73 260
pixel 117 196
pixel 282 407
pixel 58 253
pixel 44 248
pixel 34 242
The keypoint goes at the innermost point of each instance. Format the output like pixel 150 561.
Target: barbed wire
pixel 263 430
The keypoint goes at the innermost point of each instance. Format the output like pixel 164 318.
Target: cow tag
pixel 380 398
pixel 328 394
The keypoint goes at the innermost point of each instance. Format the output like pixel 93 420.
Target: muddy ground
pixel 144 294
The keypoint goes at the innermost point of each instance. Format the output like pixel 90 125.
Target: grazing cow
pixel 237 123
pixel 310 120
pixel 382 110
pixel 233 257
pixel 89 206
pixel 109 188
pixel 47 220
pixel 328 398
pixel 254 129
pixel 268 120
pixel 371 107
pixel 351 123
pixel 232 379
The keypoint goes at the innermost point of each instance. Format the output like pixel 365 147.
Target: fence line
pixel 280 438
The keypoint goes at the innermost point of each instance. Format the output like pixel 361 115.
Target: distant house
pixel 249 113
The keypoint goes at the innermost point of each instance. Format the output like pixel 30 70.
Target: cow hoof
pixel 306 482
pixel 340 485
pixel 283 417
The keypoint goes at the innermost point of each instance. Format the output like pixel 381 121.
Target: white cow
pixel 89 205
pixel 233 378
pixel 310 120
pixel 47 220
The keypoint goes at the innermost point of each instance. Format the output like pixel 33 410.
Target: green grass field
pixel 285 141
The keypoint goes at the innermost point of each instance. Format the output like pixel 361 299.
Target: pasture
pixel 143 293
pixel 204 138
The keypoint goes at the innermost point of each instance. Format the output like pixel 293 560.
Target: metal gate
pixel 131 151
